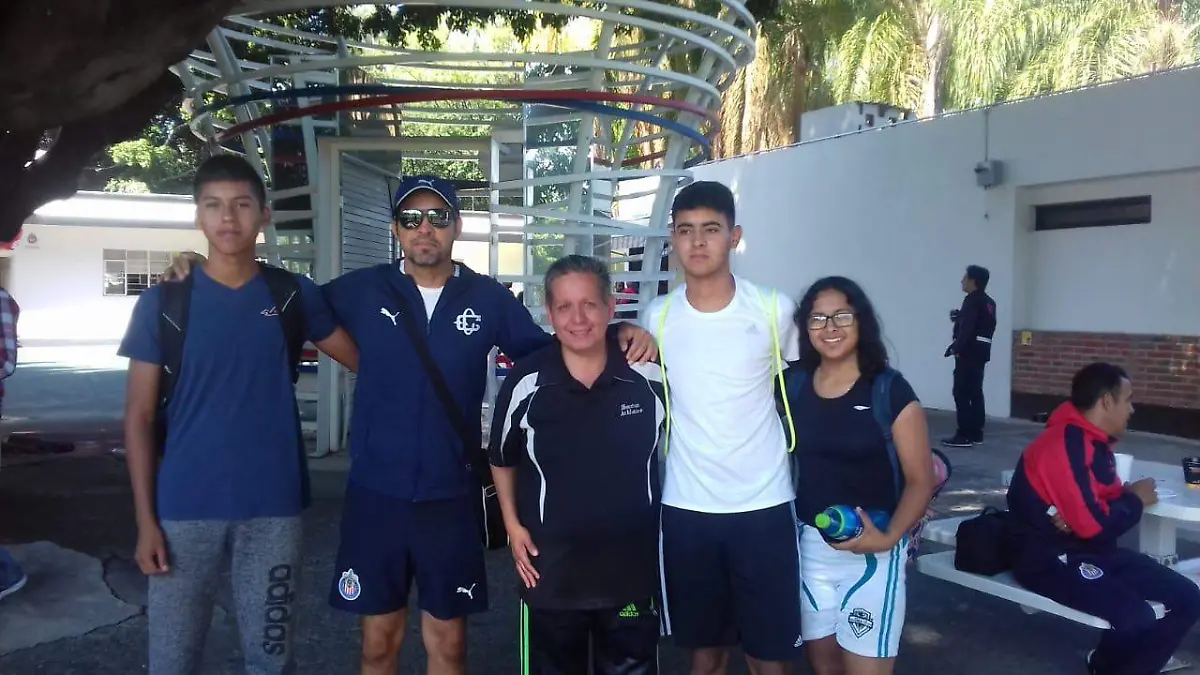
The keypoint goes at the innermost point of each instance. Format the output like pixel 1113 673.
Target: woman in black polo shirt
pixel 843 396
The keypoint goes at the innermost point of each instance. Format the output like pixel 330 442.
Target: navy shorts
pixel 388 542
pixel 731 578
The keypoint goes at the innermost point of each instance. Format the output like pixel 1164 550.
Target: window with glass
pixel 132 272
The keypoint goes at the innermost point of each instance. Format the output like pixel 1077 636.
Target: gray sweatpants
pixel 264 555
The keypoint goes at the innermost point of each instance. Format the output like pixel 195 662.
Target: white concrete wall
pixel 59 281
pixel 1122 279
pixel 898 210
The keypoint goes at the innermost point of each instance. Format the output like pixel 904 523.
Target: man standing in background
pixel 974 326
pixel 12 578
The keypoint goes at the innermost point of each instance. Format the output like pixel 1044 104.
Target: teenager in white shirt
pixel 730 553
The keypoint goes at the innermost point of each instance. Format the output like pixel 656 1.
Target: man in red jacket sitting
pixel 1070 467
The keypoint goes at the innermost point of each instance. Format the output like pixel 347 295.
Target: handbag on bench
pixel 981 544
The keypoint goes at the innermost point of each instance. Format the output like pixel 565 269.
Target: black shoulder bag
pixel 487 511
pixel 981 543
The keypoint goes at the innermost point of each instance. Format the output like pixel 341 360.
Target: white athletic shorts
pixel 859 598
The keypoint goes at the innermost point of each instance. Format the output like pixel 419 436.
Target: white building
pixel 80 263
pixel 1091 235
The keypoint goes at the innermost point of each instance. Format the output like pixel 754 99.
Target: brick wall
pixel 1165 368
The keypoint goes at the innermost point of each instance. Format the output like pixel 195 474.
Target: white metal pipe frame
pixel 585 148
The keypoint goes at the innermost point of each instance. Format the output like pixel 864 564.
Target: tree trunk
pixel 56 175
pixel 798 69
pixel 97 72
pixel 733 107
pixel 66 60
pixel 935 61
pixel 758 84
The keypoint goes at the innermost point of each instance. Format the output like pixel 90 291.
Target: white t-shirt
pixel 430 297
pixel 727 450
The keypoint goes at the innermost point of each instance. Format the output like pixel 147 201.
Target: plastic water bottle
pixel 841 523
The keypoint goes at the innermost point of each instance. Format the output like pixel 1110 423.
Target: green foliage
pixel 162 160
pixel 127 186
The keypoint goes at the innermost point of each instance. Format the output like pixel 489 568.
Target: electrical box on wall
pixel 988 173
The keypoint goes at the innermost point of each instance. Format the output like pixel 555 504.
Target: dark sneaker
pixel 956 442
pixel 12 579
pixel 977 442
pixel 14 586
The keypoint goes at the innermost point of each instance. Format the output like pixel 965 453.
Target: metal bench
pixel 943 530
pixel 1004 586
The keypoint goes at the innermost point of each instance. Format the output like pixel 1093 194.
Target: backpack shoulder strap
pixel 881 405
pixel 175 299
pixel 772 313
pixel 794 380
pixel 285 292
pixel 662 365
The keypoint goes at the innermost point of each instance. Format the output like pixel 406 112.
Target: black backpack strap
pixel 881 408
pixel 285 292
pixel 175 299
pixel 794 379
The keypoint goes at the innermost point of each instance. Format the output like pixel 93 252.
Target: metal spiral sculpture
pixel 581 151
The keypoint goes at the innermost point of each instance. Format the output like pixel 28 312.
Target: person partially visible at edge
pixel 574 454
pixel 731 563
pixel 1076 561
pixel 12 577
pixel 843 459
pixel 409 511
pixel 228 492
pixel 974 326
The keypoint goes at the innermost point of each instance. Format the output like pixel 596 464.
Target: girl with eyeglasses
pixel 853 591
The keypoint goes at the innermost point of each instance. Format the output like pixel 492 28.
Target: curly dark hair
pixel 872 352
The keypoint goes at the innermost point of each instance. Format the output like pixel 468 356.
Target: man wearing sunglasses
pixel 410 510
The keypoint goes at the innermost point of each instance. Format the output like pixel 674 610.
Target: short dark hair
pixel 705 194
pixel 1093 382
pixel 980 275
pixel 231 168
pixel 579 264
pixel 872 352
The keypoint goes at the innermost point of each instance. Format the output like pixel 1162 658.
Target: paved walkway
pixel 80 503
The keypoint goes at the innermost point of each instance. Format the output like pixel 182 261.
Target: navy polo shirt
pixel 587 476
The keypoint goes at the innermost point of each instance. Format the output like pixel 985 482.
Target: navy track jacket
pixel 401 441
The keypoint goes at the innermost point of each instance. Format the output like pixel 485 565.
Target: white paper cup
pixel 1124 466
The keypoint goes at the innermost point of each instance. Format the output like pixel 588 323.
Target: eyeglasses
pixel 841 320
pixel 410 219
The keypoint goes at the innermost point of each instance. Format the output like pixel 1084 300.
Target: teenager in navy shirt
pixel 229 490
pixel 409 512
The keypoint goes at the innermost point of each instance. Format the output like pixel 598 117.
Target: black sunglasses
pixel 410 219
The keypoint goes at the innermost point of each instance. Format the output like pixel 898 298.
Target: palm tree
pixel 763 105
pixel 933 55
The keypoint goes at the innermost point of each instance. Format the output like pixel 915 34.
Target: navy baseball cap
pixel 437 186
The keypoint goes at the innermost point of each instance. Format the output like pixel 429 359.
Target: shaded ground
pixel 81 502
